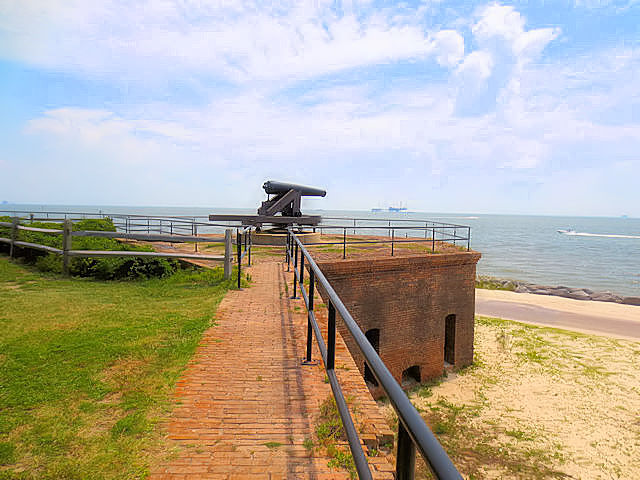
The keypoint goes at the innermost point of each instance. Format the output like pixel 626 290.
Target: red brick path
pixel 247 405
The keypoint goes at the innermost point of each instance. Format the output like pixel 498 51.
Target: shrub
pixel 49 263
pixel 109 268
pixel 117 268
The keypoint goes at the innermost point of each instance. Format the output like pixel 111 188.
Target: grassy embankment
pixel 87 368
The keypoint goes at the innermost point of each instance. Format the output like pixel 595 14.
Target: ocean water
pixel 598 252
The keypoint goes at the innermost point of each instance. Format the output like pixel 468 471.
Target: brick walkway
pixel 245 403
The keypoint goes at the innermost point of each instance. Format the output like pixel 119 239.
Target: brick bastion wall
pixel 417 311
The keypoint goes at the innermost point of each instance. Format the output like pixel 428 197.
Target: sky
pixel 528 107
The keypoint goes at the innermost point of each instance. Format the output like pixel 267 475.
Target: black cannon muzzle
pixel 273 187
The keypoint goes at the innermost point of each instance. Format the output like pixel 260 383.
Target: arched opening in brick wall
pixel 373 336
pixel 450 339
pixel 411 376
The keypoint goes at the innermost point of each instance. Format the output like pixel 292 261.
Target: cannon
pixel 282 207
pixel 287 198
pixel 272 187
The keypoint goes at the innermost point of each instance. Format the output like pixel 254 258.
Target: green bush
pixel 113 268
pixel 123 267
pixel 49 263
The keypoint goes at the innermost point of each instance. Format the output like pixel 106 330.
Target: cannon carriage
pixel 282 207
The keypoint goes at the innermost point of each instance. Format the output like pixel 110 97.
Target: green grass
pixel 331 436
pixel 87 368
pixel 489 283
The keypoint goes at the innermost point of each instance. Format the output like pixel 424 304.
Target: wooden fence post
pixel 14 234
pixel 228 253
pixel 66 245
pixel 195 234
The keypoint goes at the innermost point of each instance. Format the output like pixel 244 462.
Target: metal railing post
pixel 239 250
pixel 14 234
pixel 455 231
pixel 228 253
pixel 295 266
pixel 195 234
pixel 393 234
pixel 312 280
pixel 468 238
pixel 301 269
pixel 344 244
pixel 433 240
pixel 406 455
pixel 331 337
pixel 288 254
pixel 250 246
pixel 66 245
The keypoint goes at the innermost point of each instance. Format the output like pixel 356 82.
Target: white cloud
pixel 477 67
pixel 498 21
pixel 94 126
pixel 238 41
pixel 449 46
pixel 505 48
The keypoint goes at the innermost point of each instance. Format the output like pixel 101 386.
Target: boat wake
pixel 605 235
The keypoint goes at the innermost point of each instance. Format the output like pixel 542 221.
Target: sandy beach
pixel 603 318
pixel 539 403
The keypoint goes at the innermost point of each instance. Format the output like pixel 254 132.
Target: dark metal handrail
pixel 440 234
pixel 412 431
pixel 406 220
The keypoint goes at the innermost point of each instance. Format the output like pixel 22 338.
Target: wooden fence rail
pixel 67 233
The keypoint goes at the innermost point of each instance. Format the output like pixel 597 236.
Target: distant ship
pixel 390 209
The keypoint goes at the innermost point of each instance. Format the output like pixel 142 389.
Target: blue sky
pixel 522 107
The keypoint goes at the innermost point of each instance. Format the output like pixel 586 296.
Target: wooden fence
pixel 67 252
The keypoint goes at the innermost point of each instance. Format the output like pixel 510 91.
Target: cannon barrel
pixel 274 187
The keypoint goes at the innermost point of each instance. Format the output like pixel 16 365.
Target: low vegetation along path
pixel 247 407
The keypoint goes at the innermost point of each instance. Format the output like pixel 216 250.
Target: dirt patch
pixel 120 373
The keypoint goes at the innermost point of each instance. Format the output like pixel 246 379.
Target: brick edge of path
pixel 246 404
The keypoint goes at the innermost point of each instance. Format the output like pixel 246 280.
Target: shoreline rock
pixel 585 294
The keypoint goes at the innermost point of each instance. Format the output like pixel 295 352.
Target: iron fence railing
pixel 412 431
pixel 184 225
pixel 433 233
pixel 396 230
